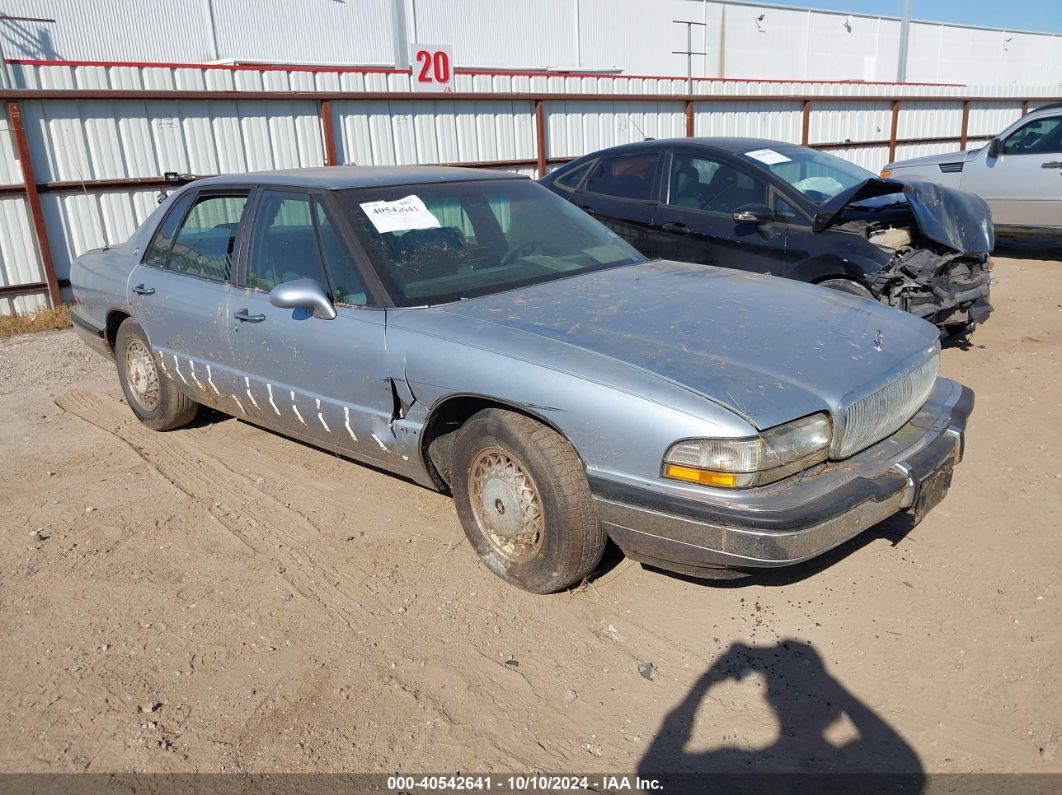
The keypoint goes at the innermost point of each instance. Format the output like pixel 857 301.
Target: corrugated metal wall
pixel 760 41
pixel 73 140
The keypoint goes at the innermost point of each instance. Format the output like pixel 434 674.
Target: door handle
pixel 1052 164
pixel 142 290
pixel 676 228
pixel 242 314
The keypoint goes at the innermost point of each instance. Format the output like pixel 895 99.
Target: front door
pixel 1023 184
pixel 180 290
pixel 324 381
pixel 695 222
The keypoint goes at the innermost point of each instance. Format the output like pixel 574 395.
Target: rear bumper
pixel 796 521
pixel 93 335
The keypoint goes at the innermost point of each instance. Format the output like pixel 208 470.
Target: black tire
pixel 558 540
pixel 152 396
pixel 847 286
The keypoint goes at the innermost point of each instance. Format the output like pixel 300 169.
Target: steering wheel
pixel 525 249
pixel 816 195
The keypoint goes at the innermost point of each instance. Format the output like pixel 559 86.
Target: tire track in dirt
pixel 459 696
pixel 258 519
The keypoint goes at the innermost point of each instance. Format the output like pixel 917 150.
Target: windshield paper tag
pixel 400 215
pixel 767 156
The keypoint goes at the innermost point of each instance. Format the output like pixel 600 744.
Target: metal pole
pixel 905 34
pixel 33 201
pixel 689 59
pixel 399 35
pixel 689 52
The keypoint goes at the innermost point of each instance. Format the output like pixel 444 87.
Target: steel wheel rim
pixel 506 504
pixel 141 374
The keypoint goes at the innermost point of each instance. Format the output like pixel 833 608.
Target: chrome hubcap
pixel 506 504
pixel 142 375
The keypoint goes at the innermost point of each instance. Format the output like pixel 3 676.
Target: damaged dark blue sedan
pixel 473 332
pixel 777 208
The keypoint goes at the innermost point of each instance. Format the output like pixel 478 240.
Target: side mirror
pixel 995 147
pixel 759 214
pixel 303 294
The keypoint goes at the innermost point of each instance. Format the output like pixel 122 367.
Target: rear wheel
pixel 154 399
pixel 523 500
pixel 847 286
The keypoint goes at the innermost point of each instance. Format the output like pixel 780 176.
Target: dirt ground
pixel 219 598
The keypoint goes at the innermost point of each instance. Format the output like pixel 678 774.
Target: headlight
pixel 741 463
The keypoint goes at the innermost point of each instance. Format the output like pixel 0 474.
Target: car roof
pixel 341 177
pixel 731 145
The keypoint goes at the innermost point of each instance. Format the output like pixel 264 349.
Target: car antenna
pixel 639 129
pixel 96 221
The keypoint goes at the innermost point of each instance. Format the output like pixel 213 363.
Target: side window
pixel 701 183
pixel 571 180
pixel 283 243
pixel 347 287
pixel 625 177
pixel 785 212
pixel 1038 137
pixel 206 240
pixel 159 250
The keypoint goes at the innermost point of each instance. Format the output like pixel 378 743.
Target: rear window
pixel 574 178
pixel 625 177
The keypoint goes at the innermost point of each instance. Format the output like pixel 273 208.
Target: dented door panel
pixel 325 381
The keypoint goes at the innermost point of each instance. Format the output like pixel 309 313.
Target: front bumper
pixel 689 528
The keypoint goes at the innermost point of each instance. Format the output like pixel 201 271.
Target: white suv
pixel 1019 173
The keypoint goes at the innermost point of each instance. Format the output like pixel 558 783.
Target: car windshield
pixel 446 241
pixel 817 175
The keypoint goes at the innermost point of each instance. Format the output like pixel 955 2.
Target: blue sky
pixel 1041 15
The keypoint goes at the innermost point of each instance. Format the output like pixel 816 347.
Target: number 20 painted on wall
pixel 433 69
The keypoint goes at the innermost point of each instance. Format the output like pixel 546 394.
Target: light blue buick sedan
pixel 471 331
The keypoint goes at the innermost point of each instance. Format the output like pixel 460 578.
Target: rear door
pixel 695 221
pixel 324 381
pixel 1023 185
pixel 180 289
pixel 620 191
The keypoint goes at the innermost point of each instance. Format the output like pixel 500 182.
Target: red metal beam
pixel 11 290
pixel 261 67
pixel 33 199
pixel 964 133
pixel 540 137
pixel 893 128
pixel 1024 107
pixel 134 183
pixel 329 132
pixel 805 123
pixel 689 118
pixel 140 96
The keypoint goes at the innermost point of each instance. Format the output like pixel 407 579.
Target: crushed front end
pixel 948 289
pixel 937 240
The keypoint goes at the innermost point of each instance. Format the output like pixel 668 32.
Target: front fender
pixel 850 265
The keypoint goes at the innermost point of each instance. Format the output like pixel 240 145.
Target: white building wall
pixel 634 36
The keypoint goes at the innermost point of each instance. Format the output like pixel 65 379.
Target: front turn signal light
pixel 885 174
pixel 701 476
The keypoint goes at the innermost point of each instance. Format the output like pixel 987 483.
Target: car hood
pixel 954 218
pixel 933 160
pixel 770 349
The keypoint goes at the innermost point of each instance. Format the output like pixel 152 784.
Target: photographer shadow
pixel 812 709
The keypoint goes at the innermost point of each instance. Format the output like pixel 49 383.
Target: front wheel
pixel 154 400
pixel 523 500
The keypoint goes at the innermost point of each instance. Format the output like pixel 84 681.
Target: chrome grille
pixel 881 413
